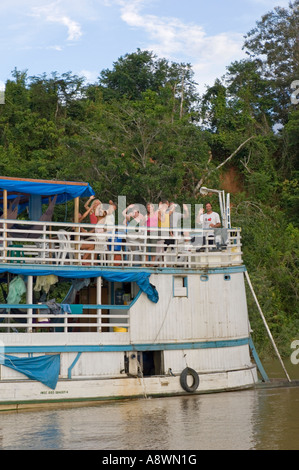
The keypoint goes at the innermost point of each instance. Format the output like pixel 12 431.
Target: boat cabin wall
pixel 192 308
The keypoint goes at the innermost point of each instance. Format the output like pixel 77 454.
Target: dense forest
pixel 144 132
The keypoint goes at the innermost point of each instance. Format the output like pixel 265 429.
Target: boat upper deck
pixel 124 253
pixel 56 244
pixel 41 241
pixel 40 247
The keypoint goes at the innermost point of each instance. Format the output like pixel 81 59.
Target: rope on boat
pixel 266 325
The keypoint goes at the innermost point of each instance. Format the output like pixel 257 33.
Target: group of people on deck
pixel 159 220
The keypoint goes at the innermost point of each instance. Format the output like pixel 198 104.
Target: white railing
pixel 58 244
pixel 40 320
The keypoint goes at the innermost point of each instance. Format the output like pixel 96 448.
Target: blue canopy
pixel 65 190
pixel 45 369
pixel 141 278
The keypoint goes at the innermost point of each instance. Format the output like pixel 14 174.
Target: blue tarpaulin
pixel 65 191
pixel 45 369
pixel 141 278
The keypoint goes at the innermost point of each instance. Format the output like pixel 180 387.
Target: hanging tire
pixel 184 380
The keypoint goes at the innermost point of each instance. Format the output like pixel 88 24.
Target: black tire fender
pixel 184 383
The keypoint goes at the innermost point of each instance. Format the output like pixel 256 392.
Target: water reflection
pixel 264 419
pixel 252 419
pixel 276 420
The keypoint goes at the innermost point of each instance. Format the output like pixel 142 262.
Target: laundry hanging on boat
pixel 141 278
pixel 17 288
pixel 53 306
pixel 65 308
pixel 44 369
pixel 45 282
pixel 78 284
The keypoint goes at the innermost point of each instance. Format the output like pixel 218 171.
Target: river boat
pixel 129 323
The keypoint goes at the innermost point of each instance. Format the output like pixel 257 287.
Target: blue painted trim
pixel 134 300
pixel 24 306
pixel 56 269
pixel 85 306
pixel 185 281
pixel 129 347
pixel 69 371
pixel 258 361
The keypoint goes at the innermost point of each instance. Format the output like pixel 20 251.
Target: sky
pixel 87 36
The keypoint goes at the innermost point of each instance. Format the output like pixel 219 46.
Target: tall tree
pixel 274 43
pixel 135 73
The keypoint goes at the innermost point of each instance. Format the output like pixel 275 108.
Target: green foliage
pixel 274 41
pixel 271 254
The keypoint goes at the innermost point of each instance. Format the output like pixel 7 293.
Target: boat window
pixel 180 286
pixel 204 277
pixel 227 277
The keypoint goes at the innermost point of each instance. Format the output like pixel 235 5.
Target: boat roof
pixel 25 187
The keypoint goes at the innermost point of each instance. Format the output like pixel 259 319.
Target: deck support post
pixel 29 300
pixel 99 301
pixel 266 325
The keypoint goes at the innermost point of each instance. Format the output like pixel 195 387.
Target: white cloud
pixel 91 76
pixel 54 13
pixel 74 29
pixel 55 48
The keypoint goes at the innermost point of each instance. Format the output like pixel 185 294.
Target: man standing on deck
pixel 210 219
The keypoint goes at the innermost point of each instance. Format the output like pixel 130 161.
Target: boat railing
pixel 58 243
pixel 32 318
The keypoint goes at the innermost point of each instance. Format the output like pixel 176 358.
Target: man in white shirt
pixel 207 220
pixel 210 219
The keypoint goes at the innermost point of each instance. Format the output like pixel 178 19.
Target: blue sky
pixel 87 36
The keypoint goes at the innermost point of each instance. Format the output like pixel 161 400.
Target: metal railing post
pixel 29 300
pixel 99 302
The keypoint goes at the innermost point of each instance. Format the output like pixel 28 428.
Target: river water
pixel 260 419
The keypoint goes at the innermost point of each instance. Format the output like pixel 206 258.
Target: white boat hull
pixel 211 334
pixel 28 394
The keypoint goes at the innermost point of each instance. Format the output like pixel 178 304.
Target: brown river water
pixel 259 419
